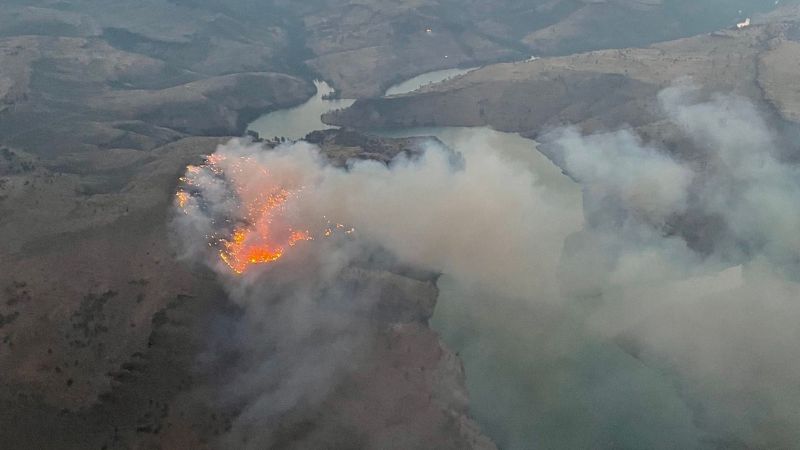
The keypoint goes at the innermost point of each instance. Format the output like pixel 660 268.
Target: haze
pixel 414 224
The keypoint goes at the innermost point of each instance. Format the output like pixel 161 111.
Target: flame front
pixel 261 242
pixel 183 199
pixel 262 230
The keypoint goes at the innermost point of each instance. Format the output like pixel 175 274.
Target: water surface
pixel 425 79
pixel 295 123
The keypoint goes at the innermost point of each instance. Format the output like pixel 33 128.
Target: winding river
pixel 498 380
pixel 425 79
pixel 295 123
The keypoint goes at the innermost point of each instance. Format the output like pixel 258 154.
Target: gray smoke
pixel 656 345
pixel 303 326
pixel 609 331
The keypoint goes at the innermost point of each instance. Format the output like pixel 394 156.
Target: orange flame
pixel 264 235
pixel 183 199
pixel 261 241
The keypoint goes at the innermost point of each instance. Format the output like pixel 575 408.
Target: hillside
pixel 598 90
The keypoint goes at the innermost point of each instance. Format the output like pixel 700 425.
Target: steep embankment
pixel 365 47
pixel 596 90
pixel 54 106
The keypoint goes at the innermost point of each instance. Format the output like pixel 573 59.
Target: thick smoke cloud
pixel 605 332
pixel 718 326
pixel 429 211
pixel 303 328
pixel 649 184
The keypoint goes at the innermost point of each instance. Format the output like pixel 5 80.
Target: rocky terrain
pixel 102 324
pixel 67 95
pixel 99 74
pixel 103 103
pixel 361 47
pixel 601 89
pixel 607 90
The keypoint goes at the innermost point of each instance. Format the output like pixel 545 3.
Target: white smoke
pixel 650 184
pixel 302 328
pixel 609 334
pixel 426 210
pixel 724 336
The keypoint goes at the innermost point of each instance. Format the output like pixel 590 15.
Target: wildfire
pixel 262 231
pixel 261 242
pixel 183 199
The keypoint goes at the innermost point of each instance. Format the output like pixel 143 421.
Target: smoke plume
pixel 598 325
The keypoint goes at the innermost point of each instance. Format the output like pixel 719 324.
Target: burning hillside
pixel 260 224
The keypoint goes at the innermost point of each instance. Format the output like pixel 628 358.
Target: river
pixel 295 123
pixel 494 354
pixel 425 79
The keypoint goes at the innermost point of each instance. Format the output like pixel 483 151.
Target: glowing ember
pixel 262 231
pixel 262 240
pixel 183 199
